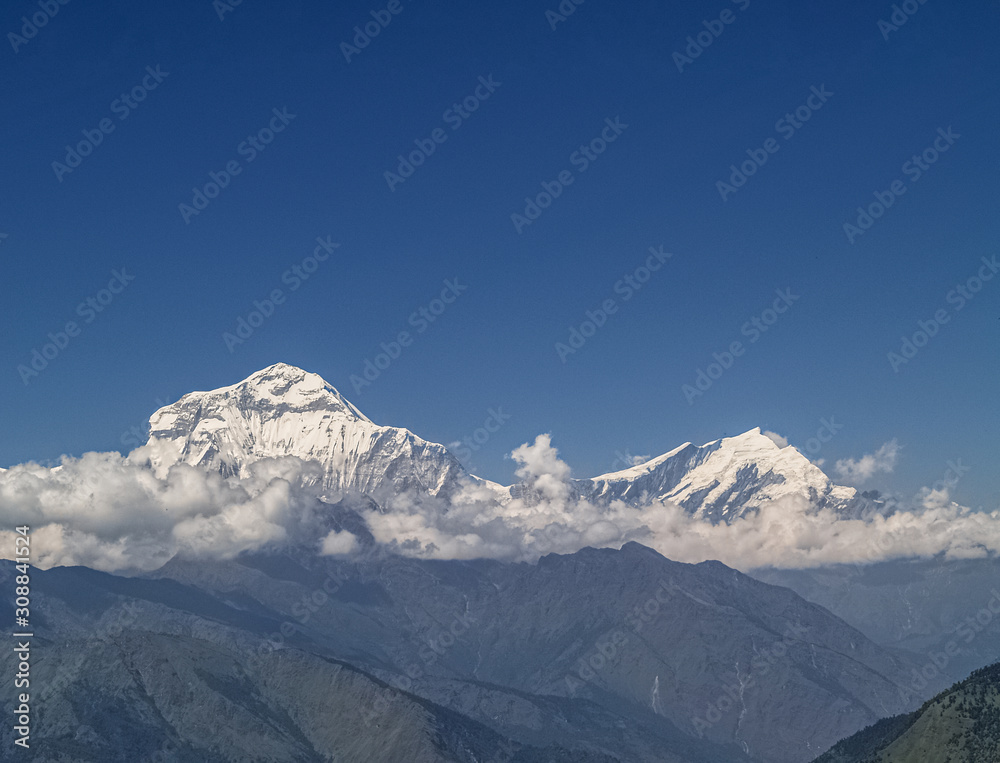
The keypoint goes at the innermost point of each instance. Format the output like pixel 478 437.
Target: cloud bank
pixel 882 461
pixel 105 512
pixel 785 533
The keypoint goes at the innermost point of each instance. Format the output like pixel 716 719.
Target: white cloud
pixel 105 512
pixel 863 469
pixel 931 498
pixel 339 543
pixel 776 438
pixel 785 533
pixel 541 468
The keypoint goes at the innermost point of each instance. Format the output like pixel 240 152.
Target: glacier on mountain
pixel 285 411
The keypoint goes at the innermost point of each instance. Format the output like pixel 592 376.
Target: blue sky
pixel 208 85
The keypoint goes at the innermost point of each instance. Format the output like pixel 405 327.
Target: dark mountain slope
pixel 960 725
pixel 692 656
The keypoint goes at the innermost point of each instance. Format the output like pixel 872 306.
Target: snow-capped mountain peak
pixel 285 387
pixel 723 479
pixel 285 411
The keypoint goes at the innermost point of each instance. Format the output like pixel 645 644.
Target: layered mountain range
pixel 609 654
pixel 603 655
pixel 285 411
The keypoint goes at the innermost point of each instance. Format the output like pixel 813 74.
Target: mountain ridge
pixel 622 653
pixel 283 410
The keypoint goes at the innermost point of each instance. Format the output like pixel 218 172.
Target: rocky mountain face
pixel 722 480
pixel 285 411
pixel 600 655
pixel 946 610
pixel 151 670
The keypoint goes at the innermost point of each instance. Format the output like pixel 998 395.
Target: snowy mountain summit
pixel 724 479
pixel 285 411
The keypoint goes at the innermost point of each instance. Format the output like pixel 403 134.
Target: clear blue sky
pixel 495 345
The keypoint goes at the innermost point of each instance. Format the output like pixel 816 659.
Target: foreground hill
pixel 960 725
